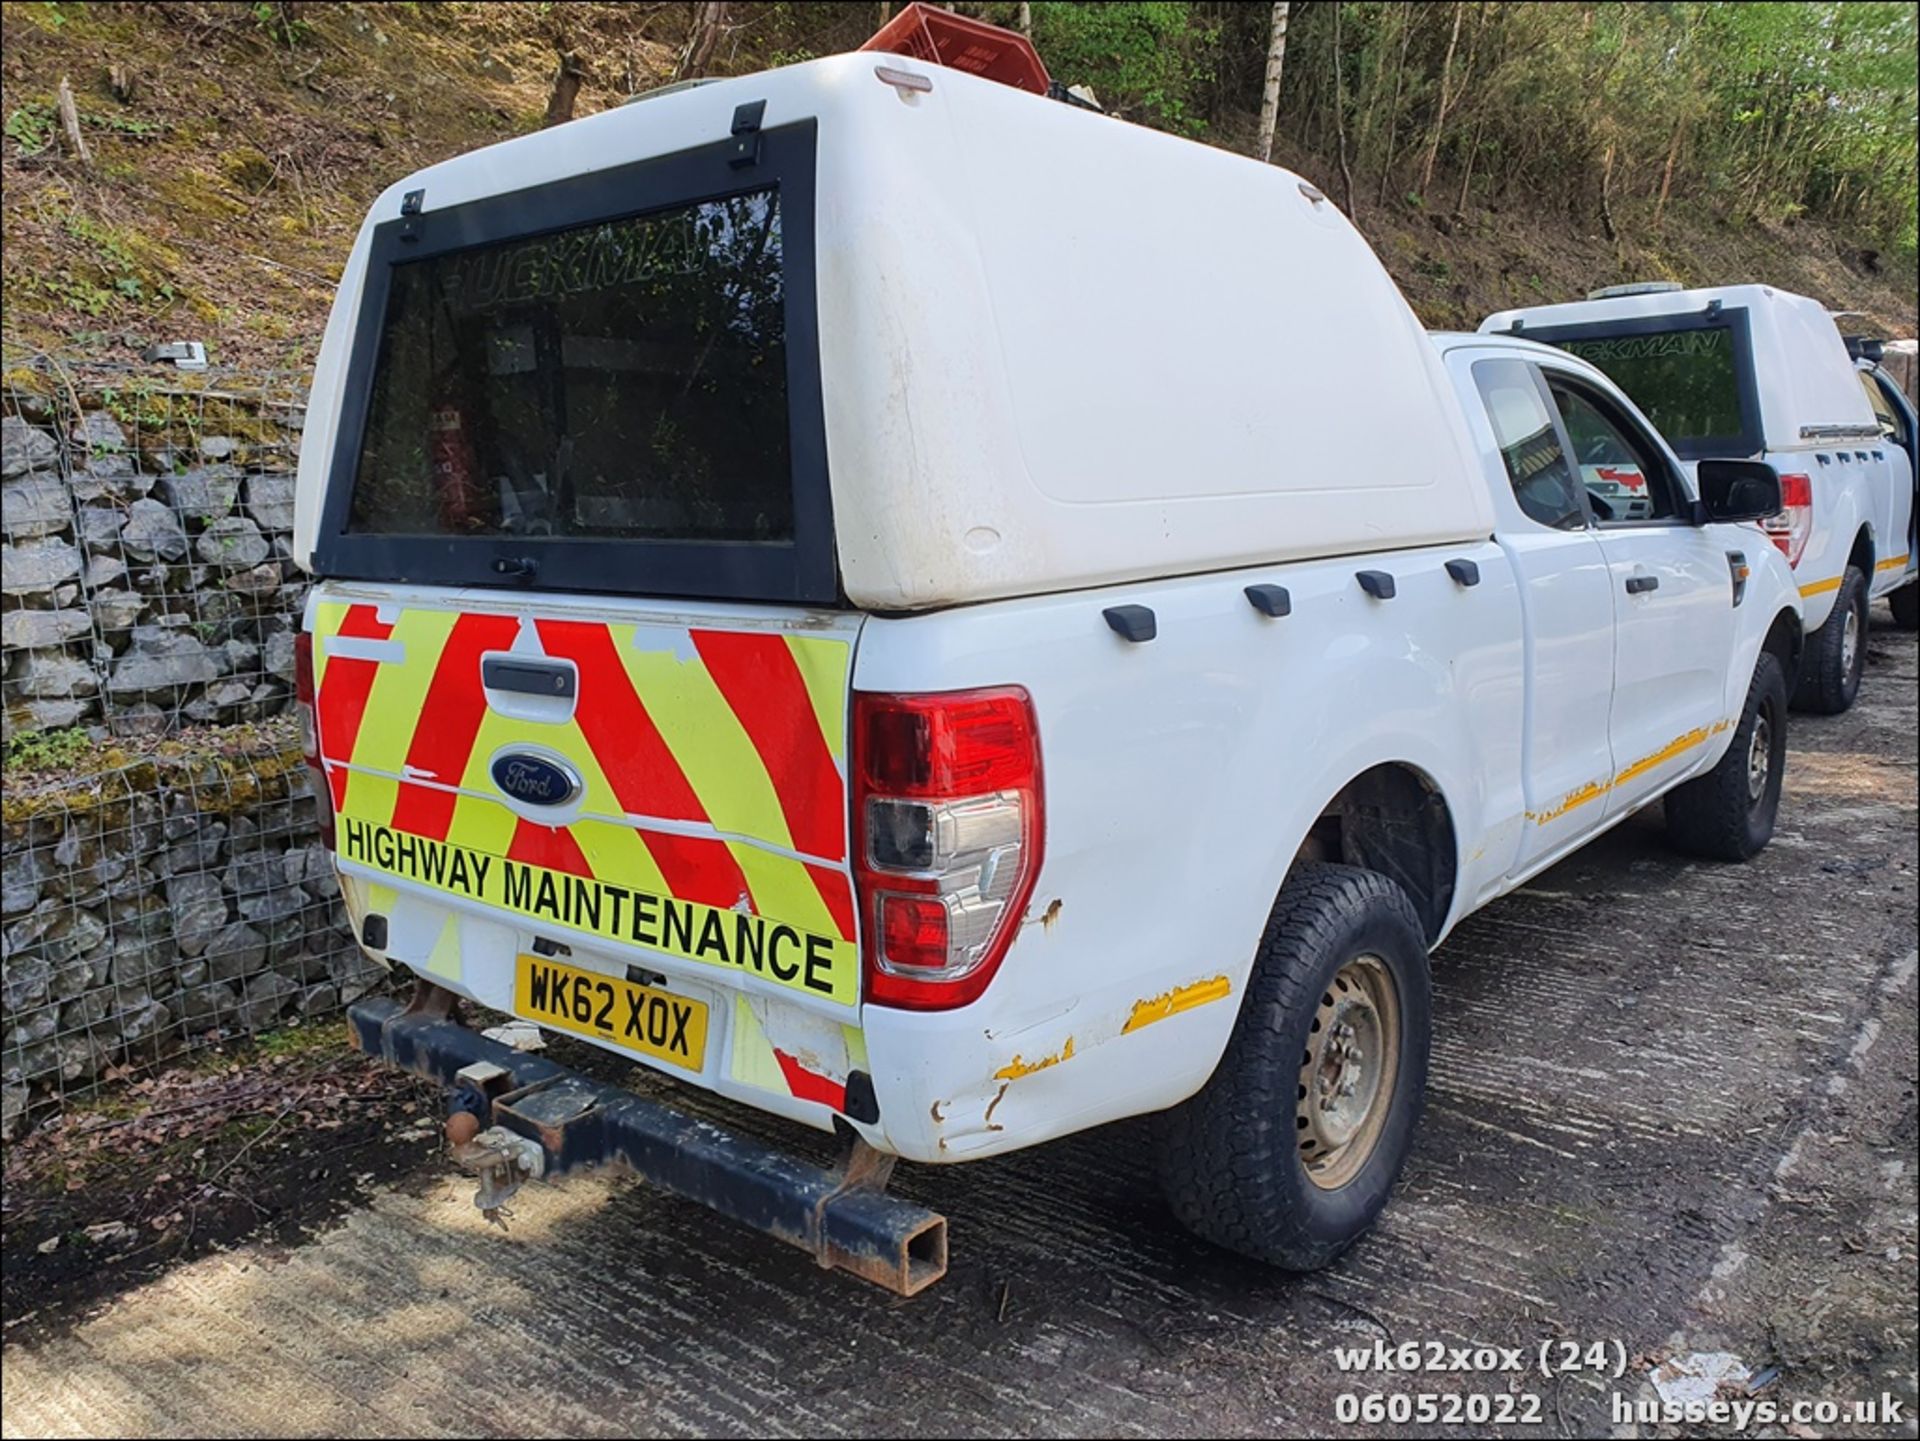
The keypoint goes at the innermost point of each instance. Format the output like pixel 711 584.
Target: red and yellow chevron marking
pixel 714 821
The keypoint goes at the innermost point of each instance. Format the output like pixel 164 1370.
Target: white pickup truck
pixel 944 617
pixel 1755 371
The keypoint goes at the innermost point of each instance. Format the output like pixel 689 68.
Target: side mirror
pixel 1736 490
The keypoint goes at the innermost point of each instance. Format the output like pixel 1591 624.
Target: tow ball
pixel 502 1160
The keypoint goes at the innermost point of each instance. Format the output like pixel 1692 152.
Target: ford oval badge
pixel 535 780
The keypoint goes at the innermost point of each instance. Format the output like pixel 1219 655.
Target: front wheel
pixel 1728 813
pixel 1837 652
pixel 1287 1154
pixel 1906 606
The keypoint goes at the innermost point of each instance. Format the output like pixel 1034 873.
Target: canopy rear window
pixel 1692 375
pixel 557 395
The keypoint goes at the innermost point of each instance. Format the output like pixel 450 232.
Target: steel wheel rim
pixel 1759 758
pixel 1850 640
pixel 1348 1072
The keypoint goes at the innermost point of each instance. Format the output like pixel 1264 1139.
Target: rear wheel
pixel 1728 813
pixel 1906 606
pixel 1289 1152
pixel 1837 652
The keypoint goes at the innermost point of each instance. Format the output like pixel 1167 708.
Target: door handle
pixel 1640 584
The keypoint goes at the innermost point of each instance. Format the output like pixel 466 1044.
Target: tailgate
pixel 657 782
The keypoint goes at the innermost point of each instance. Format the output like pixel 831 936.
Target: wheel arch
pixel 1786 641
pixel 1393 818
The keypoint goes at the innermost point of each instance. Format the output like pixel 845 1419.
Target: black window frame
pixel 1611 411
pixel 802 570
pixel 1582 503
pixel 1749 441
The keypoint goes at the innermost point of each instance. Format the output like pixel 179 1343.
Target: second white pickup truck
pixel 943 617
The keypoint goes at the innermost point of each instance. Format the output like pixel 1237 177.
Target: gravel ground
pixel 1672 1110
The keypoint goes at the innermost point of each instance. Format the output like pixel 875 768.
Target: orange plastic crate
pixel 940 37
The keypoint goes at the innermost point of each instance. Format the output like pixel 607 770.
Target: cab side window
pixel 1626 478
pixel 1523 427
pixel 1892 424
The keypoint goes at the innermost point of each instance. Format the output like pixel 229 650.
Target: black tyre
pixel 1728 813
pixel 1288 1153
pixel 1905 603
pixel 1837 652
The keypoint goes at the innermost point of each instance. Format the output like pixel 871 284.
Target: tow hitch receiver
pixel 535 1119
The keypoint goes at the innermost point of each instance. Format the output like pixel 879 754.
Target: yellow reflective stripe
pixel 498 731
pixel 856 1040
pixel 1679 745
pixel 1892 562
pixel 328 616
pixel 444 959
pixel 752 1061
pixel 482 825
pixel 823 666
pixel 400 690
pixel 618 854
pixel 706 738
pixel 1821 587
pixel 783 890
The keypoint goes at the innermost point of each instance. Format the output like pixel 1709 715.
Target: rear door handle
pixel 1640 584
pixel 529 677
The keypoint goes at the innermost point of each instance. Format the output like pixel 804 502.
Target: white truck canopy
pixel 1055 350
pixel 1797 382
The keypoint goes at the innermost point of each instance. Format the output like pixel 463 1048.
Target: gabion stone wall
pixel 155 901
pixel 147 580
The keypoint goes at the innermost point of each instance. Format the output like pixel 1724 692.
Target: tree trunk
pixel 1340 110
pixel 708 19
pixel 1026 18
pixel 1666 175
pixel 566 89
pixel 1393 112
pixel 1446 82
pixel 1606 195
pixel 1270 96
pixel 70 121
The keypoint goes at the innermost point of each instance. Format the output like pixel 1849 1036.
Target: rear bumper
pixel 578 1123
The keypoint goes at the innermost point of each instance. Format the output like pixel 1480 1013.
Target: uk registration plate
pixel 638 1018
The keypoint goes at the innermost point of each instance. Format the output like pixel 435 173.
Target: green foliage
pixel 46 750
pixel 1144 61
pixel 33 126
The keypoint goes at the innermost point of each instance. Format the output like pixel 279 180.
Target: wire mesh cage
pixel 164 883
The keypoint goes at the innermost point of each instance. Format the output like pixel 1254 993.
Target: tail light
pixel 947 834
pixel 1791 527
pixel 303 700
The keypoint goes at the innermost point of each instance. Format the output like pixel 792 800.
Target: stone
pixel 55 715
pixel 98 527
pixel 117 611
pixel 233 543
pixel 13 1110
pixel 36 568
pixel 218 447
pixel 261 580
pixel 268 995
pixel 142 718
pixel 239 950
pixel 208 1002
pixel 153 532
pixel 34 505
pixel 142 1022
pixel 270 500
pixel 238 656
pixel 24 447
pixel 258 882
pixel 355 974
pixel 22 871
pixel 24 982
pixel 52 674
pixel 42 629
pixel 161 658
pixel 199 905
pixel 318 999
pixel 276 655
pixel 206 493
pixel 196 841
pixel 89 1009
pixel 104 570
pixel 110 478
pixel 39 1025
pixel 97 433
